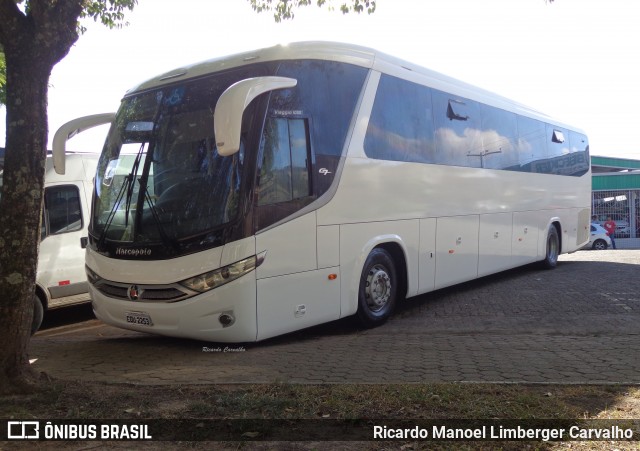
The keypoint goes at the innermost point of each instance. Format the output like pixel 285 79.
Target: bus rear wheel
pixel 552 249
pixel 378 289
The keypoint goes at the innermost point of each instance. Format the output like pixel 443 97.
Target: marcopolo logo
pixel 133 251
pixel 134 292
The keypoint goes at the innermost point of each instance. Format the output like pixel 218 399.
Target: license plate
pixel 139 318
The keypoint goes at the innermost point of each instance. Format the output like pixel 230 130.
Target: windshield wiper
pixel 103 234
pixel 156 217
pixel 132 174
pixel 127 186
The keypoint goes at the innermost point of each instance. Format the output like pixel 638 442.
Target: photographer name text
pixel 223 350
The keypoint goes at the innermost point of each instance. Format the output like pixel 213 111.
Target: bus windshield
pixel 160 179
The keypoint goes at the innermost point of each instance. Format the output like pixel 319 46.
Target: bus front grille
pixel 143 293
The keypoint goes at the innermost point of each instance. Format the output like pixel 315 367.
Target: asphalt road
pixel 579 323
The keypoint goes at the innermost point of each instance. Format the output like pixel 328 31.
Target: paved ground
pixel 579 323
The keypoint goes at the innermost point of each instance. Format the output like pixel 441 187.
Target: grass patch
pixel 95 401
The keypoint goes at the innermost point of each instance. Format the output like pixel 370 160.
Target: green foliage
pixel 3 79
pixel 109 12
pixel 283 9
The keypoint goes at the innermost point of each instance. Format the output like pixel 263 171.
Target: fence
pixel 623 206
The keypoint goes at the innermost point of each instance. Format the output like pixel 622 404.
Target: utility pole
pixel 483 154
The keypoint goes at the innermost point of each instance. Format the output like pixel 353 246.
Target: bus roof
pixel 352 54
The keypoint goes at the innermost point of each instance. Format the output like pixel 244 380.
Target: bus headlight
pixel 214 279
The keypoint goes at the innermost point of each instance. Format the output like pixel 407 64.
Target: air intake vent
pixel 144 293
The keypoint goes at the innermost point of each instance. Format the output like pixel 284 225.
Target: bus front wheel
pixel 378 288
pixel 552 248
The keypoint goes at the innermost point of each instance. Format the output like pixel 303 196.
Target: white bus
pixel 61 278
pixel 262 193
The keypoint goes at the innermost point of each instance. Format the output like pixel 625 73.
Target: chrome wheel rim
pixel 378 288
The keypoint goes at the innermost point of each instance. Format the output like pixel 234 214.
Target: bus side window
pixel 284 185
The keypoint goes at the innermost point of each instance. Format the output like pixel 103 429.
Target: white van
pixel 62 279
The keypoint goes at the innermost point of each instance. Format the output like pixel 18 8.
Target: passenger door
pixel 291 290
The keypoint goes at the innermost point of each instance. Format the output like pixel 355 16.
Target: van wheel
pixel 378 288
pixel 552 249
pixel 38 314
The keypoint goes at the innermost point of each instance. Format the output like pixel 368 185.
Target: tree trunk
pixel 33 43
pixel 20 207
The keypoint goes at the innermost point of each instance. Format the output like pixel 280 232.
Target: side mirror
pixel 71 129
pixel 227 117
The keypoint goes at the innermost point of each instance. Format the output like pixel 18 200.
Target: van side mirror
pixel 227 117
pixel 71 129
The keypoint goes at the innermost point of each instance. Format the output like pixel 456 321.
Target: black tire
pixel 552 249
pixel 378 289
pixel 599 245
pixel 38 314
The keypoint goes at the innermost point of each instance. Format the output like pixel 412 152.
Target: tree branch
pixel 55 26
pixel 11 20
pixel 283 9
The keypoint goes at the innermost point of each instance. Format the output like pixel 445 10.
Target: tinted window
pixel 401 124
pixel 557 146
pixel 326 93
pixel 300 159
pixel 458 130
pixel 284 175
pixel 62 210
pixel 564 158
pixel 411 122
pixel 499 149
pixel 578 160
pixel 160 180
pixel 548 149
pixel 532 146
pixel 275 175
pixel 284 185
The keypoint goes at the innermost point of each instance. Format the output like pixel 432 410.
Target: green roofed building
pixel 616 193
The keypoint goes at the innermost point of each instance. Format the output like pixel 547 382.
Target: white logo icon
pixel 23 430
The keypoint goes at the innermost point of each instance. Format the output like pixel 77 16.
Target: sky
pixel 572 59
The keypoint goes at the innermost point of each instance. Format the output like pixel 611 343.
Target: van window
pixel 62 210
